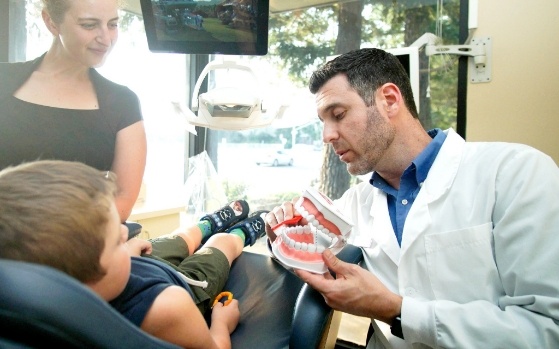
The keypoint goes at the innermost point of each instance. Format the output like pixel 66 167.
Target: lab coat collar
pixel 438 182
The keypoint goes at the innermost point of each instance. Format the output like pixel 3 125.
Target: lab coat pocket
pixel 461 264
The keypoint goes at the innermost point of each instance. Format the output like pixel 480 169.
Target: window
pixel 299 42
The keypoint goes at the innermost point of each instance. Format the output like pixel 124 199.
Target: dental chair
pixel 42 307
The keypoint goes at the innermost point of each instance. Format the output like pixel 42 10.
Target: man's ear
pixel 51 26
pixel 390 97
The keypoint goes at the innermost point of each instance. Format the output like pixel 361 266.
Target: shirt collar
pixel 422 162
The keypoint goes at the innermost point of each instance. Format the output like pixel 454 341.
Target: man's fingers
pixel 334 263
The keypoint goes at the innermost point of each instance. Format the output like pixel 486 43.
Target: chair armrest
pixel 134 228
pixel 267 294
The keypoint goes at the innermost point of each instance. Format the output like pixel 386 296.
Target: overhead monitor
pixel 229 27
pixel 409 57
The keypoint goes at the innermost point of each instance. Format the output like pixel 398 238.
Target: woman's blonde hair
pixel 55 213
pixel 57 8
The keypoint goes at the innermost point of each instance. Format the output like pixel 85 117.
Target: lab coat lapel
pixel 438 182
pixel 383 232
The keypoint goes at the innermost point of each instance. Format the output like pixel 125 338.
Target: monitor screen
pixel 409 57
pixel 229 27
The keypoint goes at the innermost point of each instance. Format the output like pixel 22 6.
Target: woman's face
pixel 88 31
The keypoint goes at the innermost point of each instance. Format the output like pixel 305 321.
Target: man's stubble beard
pixel 375 140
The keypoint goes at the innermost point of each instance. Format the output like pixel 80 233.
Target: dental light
pixel 228 108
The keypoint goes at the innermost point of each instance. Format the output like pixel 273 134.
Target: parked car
pixel 276 158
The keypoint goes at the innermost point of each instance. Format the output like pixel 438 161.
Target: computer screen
pixel 409 57
pixel 230 27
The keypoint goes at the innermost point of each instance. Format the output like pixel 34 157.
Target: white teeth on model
pixel 313 227
pixel 301 246
pixel 313 222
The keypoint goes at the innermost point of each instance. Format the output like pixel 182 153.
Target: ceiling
pixel 275 5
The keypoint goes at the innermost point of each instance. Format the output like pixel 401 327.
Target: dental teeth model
pixel 301 246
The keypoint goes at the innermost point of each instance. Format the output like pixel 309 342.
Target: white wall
pixel 521 103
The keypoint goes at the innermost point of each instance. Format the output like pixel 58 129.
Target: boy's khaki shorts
pixel 207 264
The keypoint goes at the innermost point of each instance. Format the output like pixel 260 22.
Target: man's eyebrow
pixel 330 106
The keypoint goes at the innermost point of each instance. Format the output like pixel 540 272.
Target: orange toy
pixel 229 296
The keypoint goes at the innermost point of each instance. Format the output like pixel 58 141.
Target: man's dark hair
pixel 366 70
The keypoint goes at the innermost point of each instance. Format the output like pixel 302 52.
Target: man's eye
pixel 339 116
pixel 88 26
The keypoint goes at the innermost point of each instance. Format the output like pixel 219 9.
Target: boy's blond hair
pixel 56 213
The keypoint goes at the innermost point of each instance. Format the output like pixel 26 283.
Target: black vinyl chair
pixel 42 307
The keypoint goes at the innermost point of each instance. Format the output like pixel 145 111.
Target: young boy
pixel 63 214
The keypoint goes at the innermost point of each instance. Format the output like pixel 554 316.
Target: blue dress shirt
pixel 400 200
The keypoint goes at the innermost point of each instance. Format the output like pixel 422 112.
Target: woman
pixel 58 107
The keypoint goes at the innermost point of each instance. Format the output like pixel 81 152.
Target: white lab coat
pixel 479 261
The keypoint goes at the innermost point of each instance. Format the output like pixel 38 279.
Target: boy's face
pixel 115 259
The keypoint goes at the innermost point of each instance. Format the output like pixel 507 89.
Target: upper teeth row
pixel 312 220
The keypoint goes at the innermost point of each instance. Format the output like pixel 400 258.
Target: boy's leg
pixel 231 245
pixel 213 261
pixel 174 251
pixel 251 228
pixel 223 218
pixel 176 246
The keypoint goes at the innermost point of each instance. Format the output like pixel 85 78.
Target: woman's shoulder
pixel 13 68
pixel 107 85
pixel 110 92
pixel 13 75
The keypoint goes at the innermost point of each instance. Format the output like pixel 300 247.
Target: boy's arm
pixel 137 246
pixel 175 318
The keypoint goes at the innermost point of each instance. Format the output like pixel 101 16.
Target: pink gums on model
pixel 312 257
pixel 319 216
pixel 301 246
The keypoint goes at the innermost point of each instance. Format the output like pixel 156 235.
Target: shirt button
pixel 410 291
pixel 404 202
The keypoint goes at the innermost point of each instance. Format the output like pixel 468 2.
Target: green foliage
pixel 299 41
pixel 268 203
pixel 235 190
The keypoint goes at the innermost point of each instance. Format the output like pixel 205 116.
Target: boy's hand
pixel 226 315
pixel 137 247
pixel 279 214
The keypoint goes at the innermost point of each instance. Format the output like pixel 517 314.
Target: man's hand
pixel 137 247
pixel 354 290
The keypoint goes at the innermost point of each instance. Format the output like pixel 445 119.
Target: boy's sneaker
pixel 228 215
pixel 254 227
